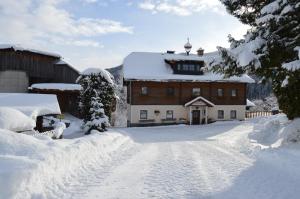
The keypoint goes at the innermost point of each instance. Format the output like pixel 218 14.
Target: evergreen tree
pixel 97 99
pixel 270 49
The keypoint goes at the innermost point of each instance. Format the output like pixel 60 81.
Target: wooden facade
pixel 158 93
pixel 40 68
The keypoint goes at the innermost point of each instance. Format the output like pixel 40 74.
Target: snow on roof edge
pixel 20 48
pixel 57 86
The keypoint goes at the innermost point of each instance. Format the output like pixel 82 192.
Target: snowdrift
pixel 14 120
pixel 30 166
pixel 275 131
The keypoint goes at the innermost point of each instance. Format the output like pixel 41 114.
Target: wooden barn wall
pixel 40 68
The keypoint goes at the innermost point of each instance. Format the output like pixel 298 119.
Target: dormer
pixel 186 67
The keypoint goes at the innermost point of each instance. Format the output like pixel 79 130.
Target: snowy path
pixel 165 162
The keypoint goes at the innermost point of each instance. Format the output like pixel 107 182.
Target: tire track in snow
pixel 91 174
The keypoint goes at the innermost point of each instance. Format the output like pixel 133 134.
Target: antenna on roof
pixel 188 46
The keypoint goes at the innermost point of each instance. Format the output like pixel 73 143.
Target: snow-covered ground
pixel 221 160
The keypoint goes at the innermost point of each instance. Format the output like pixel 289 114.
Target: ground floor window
pixel 220 114
pixel 233 114
pixel 143 114
pixel 169 114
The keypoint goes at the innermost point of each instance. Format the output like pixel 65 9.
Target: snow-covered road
pixel 210 161
pixel 167 162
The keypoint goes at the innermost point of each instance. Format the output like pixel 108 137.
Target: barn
pixel 21 67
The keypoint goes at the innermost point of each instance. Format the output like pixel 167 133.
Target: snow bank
pixel 35 168
pixel 14 120
pixel 275 131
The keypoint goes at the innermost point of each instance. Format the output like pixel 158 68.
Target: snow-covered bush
pixel 97 99
pixel 15 120
pixel 270 49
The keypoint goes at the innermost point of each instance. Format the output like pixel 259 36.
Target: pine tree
pixel 97 99
pixel 270 49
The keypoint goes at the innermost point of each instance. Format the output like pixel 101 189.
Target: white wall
pixel 240 111
pixel 183 112
pixel 13 81
pixel 178 112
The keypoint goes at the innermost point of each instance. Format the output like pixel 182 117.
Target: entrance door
pixel 196 117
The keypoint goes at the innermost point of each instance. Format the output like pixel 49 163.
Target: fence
pixel 253 114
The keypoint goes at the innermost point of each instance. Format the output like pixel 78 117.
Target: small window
pixel 170 91
pixel 185 67
pixel 144 90
pixel 191 68
pixel 233 114
pixel 178 67
pixel 220 92
pixel 196 91
pixel 143 114
pixel 233 93
pixel 220 114
pixel 169 114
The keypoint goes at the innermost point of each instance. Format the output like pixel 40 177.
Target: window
pixel 191 67
pixel 220 114
pixel 170 91
pixel 143 114
pixel 196 91
pixel 169 114
pixel 178 67
pixel 144 90
pixel 233 92
pixel 220 92
pixel 233 114
pixel 185 67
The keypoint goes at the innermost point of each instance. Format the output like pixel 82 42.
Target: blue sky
pixel 100 33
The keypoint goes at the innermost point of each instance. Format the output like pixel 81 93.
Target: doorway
pixel 195 117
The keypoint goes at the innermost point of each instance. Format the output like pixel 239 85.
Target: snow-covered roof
pixel 147 66
pixel 199 99
pixel 104 73
pixel 57 86
pixel 32 105
pixel 250 104
pixel 20 48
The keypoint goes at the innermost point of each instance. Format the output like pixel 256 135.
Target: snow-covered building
pixel 21 67
pixel 169 88
pixel 25 70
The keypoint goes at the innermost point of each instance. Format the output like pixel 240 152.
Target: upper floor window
pixel 233 114
pixel 220 114
pixel 143 114
pixel 144 90
pixel 196 91
pixel 170 91
pixel 169 114
pixel 233 92
pixel 220 92
pixel 188 67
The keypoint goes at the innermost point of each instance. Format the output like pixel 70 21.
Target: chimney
pixel 200 51
pixel 170 51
